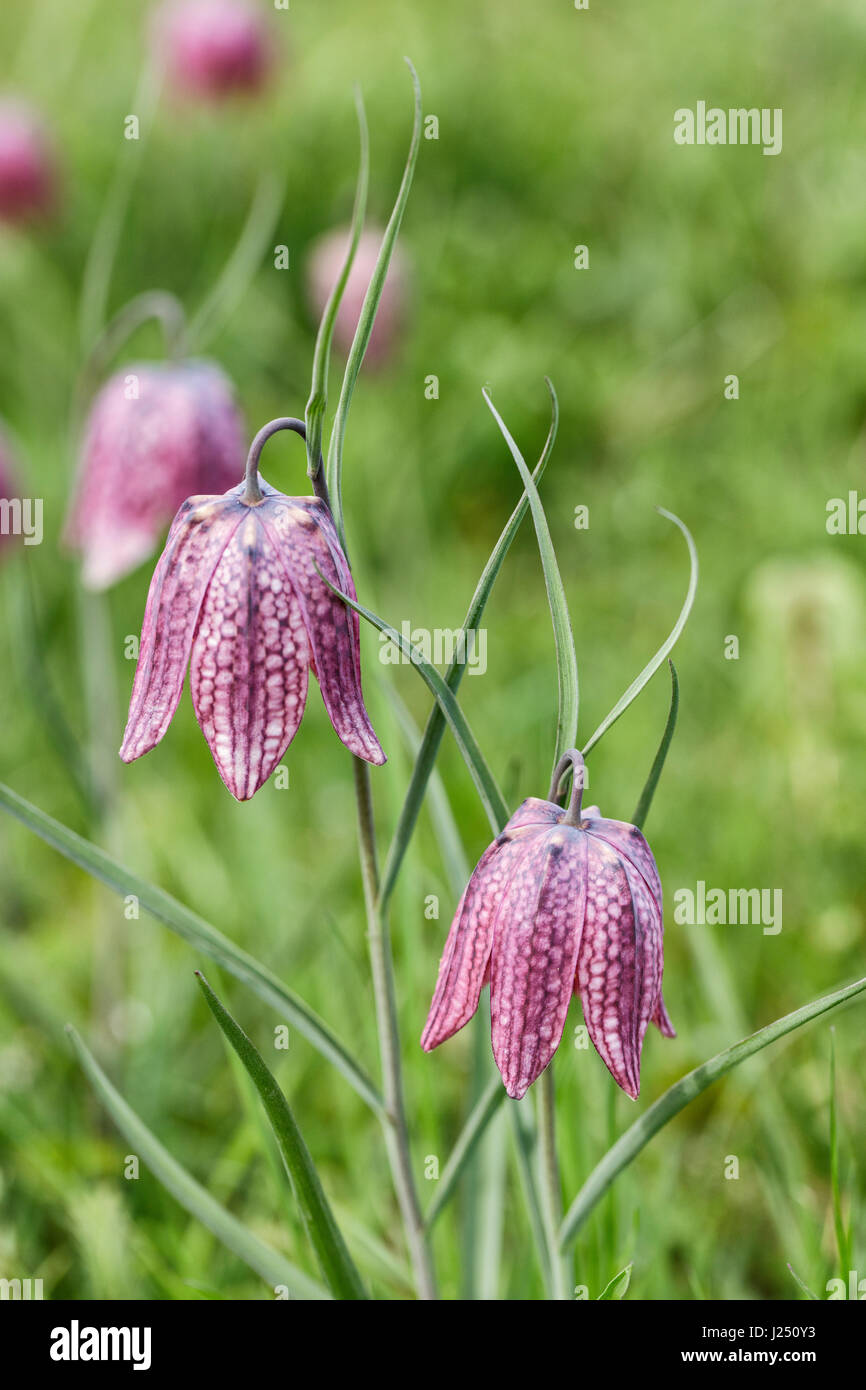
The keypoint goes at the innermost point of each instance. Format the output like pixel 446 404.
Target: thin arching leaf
pixel 485 783
pixel 484 1110
pixel 646 796
pixel 566 657
pixel 681 1094
pixel 368 315
pixel 274 1268
pixel 199 934
pixel 667 646
pixel 426 756
pixel 324 1234
pixel 318 401
pixel 242 264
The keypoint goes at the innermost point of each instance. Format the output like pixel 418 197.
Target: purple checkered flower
pixel 28 171
pixel 212 49
pixel 157 433
pixel 563 902
pixel 241 595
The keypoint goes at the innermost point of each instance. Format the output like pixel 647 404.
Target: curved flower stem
pixel 253 493
pixel 381 963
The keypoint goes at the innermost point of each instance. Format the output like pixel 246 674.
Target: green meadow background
pixel 555 129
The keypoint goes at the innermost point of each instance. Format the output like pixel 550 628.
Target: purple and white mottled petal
pixel 648 944
pixel 466 958
pixel 299 537
pixel 534 811
pixel 535 951
pixel 630 844
pixel 199 534
pixel 248 670
pixel 608 966
pixel 661 1020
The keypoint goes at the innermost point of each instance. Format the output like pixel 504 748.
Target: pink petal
pixel 248 671
pixel 303 535
pixel 534 811
pixel 465 960
pixel 199 533
pixel 630 844
pixel 661 1020
pixel 610 965
pixel 535 952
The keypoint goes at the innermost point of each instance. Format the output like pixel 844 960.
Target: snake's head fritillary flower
pixel 563 902
pixel 28 170
pixel 326 262
pixel 157 433
pixel 213 49
pixel 241 595
pixel 10 493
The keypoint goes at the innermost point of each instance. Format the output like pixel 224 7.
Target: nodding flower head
pixel 563 902
pixel 28 171
pixel 241 595
pixel 156 434
pixel 212 48
pixel 325 264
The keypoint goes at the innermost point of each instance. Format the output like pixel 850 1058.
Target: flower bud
pixel 212 49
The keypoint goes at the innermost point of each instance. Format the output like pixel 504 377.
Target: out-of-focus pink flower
pixel 10 493
pixel 212 48
pixel 28 170
pixel 325 264
pixel 561 903
pixel 239 596
pixel 156 433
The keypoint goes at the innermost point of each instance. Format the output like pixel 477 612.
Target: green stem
pixel 394 1123
pixel 551 1184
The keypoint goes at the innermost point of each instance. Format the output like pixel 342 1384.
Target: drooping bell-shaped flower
pixel 156 434
pixel 241 595
pixel 212 49
pixel 28 168
pixel 563 902
pixel 323 271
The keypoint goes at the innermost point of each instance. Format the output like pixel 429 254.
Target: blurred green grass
pixel 555 129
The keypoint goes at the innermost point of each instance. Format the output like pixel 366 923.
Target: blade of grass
pixel 436 723
pixel 678 1096
pixel 566 657
pixel 842 1236
pixel 618 1286
pixel 483 1112
pixel 198 933
pixel 316 405
pixel 646 796
pixel 485 783
pixel 273 1267
pixel 803 1285
pixel 652 666
pixel 368 314
pixel 243 262
pixel 324 1234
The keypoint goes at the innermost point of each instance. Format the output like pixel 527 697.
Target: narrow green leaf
pixel 566 657
pixel 316 405
pixel 274 1268
pixel 842 1236
pixel 804 1286
pixel 678 1096
pixel 485 783
pixel 652 666
pixel 324 1234
pixel 198 933
pixel 525 1146
pixel 646 796
pixel 484 1110
pixel 368 315
pixel 245 259
pixel 426 756
pixel 618 1286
